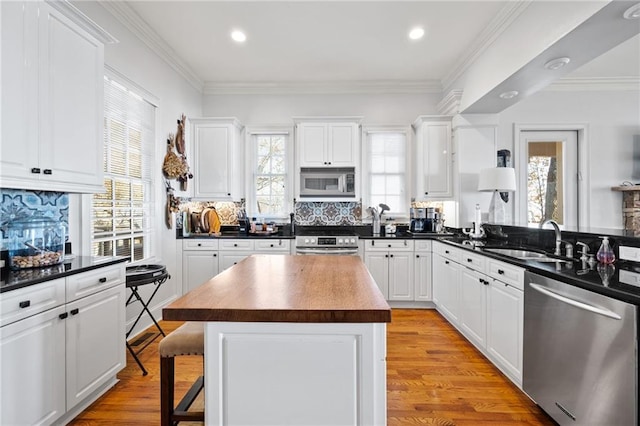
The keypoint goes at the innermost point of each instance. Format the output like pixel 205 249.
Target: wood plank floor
pixel 434 377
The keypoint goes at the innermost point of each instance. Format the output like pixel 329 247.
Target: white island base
pixel 274 373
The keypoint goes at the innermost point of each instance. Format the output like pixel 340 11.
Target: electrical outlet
pixel 629 253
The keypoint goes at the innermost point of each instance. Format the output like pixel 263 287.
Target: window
pixel 386 169
pixel 270 184
pixel 122 217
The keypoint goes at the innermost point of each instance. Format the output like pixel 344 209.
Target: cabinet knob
pixel 426 193
pixel 390 255
pixel 229 194
pixel 500 271
pixel 417 255
pixel 74 311
pixel 199 245
pixel 215 254
pixel 271 245
pixel 469 260
pixel 35 170
pixel 47 171
pixel 446 262
pixel 235 244
pixel 103 280
pixel 446 251
pixel 25 304
pixel 386 255
pixel 389 245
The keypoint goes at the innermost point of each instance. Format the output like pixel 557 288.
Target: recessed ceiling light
pixel 416 33
pixel 557 63
pixel 238 36
pixel 633 12
pixel 509 95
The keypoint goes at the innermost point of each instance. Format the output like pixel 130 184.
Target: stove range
pixel 327 241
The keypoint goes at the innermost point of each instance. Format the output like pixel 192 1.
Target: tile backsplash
pixel 328 213
pixel 19 204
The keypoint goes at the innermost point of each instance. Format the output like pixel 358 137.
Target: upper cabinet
pixel 52 98
pixel 217 155
pixel 328 142
pixel 434 178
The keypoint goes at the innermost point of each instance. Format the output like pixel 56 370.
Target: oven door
pixel 306 251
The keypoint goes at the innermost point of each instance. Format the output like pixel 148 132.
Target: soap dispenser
pixel 605 253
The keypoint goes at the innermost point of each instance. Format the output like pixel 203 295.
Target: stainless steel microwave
pixel 331 182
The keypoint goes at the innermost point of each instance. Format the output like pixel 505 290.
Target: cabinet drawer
pixel 236 245
pixel 386 245
pixel 506 273
pixel 447 251
pixel 423 245
pixel 199 244
pixel 24 302
pixel 87 283
pixel 473 261
pixel 273 245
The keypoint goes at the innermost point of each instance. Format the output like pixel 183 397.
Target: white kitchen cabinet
pixel 32 359
pixel 446 285
pixel 328 144
pixel 473 306
pixel 60 357
pixel 94 345
pixel 505 327
pixel 199 262
pixel 217 158
pixel 52 100
pixel 433 167
pixel 391 265
pixel 422 271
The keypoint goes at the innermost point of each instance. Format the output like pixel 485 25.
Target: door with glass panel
pixel 549 177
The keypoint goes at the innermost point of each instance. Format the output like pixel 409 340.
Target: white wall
pixel 375 108
pixel 612 117
pixel 132 58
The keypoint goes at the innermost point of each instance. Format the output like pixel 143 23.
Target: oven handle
pixel 318 251
pixel 577 304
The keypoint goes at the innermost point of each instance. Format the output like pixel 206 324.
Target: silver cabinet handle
pixel 577 304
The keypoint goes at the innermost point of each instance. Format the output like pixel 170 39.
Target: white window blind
pixel 386 167
pixel 122 216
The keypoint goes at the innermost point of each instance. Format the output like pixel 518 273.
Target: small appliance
pixel 327 182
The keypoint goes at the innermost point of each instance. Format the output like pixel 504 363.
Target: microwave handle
pixel 342 184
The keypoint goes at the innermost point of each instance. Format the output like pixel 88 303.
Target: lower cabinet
pixel 422 271
pixel 57 359
pixel 391 266
pixel 446 284
pixel 473 305
pixel 198 267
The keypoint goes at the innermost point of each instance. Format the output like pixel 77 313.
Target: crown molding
pixel 505 17
pixel 450 104
pixel 595 84
pixel 128 17
pixel 322 87
pixel 79 18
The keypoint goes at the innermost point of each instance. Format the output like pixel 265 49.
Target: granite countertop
pixel 286 288
pixel 573 273
pixel 13 280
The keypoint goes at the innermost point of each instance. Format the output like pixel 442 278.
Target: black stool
pixel 137 276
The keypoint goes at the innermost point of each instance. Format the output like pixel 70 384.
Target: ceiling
pixel 338 42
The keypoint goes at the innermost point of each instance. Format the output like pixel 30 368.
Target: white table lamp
pixel 497 179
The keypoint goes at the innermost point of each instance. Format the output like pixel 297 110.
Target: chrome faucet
pixel 556 229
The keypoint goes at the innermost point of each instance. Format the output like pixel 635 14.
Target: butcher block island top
pixel 285 288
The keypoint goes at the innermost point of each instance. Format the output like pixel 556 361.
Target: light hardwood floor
pixel 434 377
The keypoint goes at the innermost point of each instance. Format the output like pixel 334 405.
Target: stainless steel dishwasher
pixel 580 354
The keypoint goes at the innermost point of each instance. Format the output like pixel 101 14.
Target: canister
pixel 35 241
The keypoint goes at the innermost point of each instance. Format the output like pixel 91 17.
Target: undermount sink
pixel 524 254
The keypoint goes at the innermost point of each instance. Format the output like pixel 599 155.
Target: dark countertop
pixel 26 277
pixel 573 273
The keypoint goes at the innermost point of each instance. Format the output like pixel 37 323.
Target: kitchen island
pixel 291 340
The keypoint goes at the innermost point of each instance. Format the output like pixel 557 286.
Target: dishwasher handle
pixel 604 312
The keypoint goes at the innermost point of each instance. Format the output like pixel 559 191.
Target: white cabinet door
pixel 473 306
pixel 401 276
pixel 422 276
pixel 449 291
pixel 505 328
pixel 312 145
pixel 342 145
pixel 378 266
pixel 32 360
pixel 217 151
pixel 95 342
pixel 19 142
pixel 53 109
pixel 230 258
pixel 198 267
pixel 434 179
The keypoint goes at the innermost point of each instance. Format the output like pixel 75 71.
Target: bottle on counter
pixel 253 225
pixel 605 252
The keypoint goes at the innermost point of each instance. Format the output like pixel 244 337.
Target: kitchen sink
pixel 524 254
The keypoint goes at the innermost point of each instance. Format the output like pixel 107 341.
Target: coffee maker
pixel 418 219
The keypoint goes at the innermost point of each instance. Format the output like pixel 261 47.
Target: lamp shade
pixel 501 179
